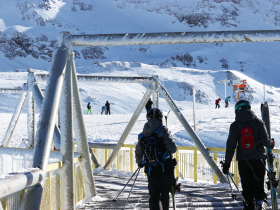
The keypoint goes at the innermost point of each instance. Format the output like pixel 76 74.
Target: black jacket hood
pixel 244 115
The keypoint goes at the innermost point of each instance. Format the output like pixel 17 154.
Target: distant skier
pixel 249 135
pixel 108 107
pixel 217 103
pixel 226 101
pixel 89 108
pixel 161 175
pixel 149 105
pixel 103 110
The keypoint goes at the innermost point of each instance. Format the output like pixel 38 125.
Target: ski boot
pixel 261 205
pixel 249 205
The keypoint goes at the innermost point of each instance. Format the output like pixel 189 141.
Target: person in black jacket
pixel 107 107
pixel 251 159
pixel 149 105
pixel 159 180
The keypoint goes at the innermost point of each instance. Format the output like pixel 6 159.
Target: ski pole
pixel 232 194
pixel 138 169
pixel 236 187
pixel 131 189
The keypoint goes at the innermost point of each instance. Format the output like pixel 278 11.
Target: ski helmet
pixel 242 103
pixel 154 113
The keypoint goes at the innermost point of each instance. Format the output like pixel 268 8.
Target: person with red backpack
pixel 154 150
pixel 217 103
pixel 249 135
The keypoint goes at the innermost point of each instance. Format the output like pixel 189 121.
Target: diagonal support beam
pixel 129 127
pixel 46 125
pixel 15 117
pixel 81 137
pixel 192 134
pixel 38 98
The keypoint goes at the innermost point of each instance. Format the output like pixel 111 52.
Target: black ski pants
pixel 253 189
pixel 217 105
pixel 159 188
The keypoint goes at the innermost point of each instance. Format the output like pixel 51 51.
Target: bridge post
pixel 67 145
pixel 47 123
pixel 30 113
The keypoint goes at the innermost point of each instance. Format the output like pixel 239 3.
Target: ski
pixel 272 184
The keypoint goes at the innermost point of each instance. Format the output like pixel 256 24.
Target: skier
pixel 249 135
pixel 89 108
pixel 226 101
pixel 103 110
pixel 108 108
pixel 160 176
pixel 149 105
pixel 217 103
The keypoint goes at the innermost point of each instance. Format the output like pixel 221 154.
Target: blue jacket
pixel 227 99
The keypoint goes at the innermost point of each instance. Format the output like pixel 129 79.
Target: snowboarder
pixel 160 175
pixel 103 110
pixel 149 105
pixel 108 108
pixel 89 108
pixel 226 101
pixel 217 103
pixel 249 135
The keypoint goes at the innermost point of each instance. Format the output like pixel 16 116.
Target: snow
pixel 179 67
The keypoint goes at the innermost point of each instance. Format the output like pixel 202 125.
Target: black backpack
pixel 155 152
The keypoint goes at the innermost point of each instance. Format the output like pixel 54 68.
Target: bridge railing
pixel 191 163
pixel 51 196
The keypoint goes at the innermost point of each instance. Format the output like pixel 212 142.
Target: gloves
pixel 140 165
pixel 273 143
pixel 225 168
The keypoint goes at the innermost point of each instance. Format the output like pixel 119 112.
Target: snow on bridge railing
pixel 109 79
pixel 172 38
pixel 51 197
pixel 190 162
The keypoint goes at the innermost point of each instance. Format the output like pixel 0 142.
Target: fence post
pixel 195 165
pixel 177 168
pixel 236 177
pixel 214 175
pixel 131 158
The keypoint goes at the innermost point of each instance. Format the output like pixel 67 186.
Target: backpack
pixel 247 141
pixel 155 152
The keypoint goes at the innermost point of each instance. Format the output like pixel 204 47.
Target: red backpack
pixel 247 141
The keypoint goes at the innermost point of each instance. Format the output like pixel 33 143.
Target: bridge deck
pixel 192 196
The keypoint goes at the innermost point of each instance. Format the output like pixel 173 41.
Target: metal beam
pixel 174 38
pixel 81 137
pixel 38 97
pixel 30 113
pixel 109 79
pixel 15 117
pixel 21 181
pixel 46 125
pixel 192 134
pixel 67 152
pixel 129 127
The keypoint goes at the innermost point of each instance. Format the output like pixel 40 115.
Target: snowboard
pixel 272 185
